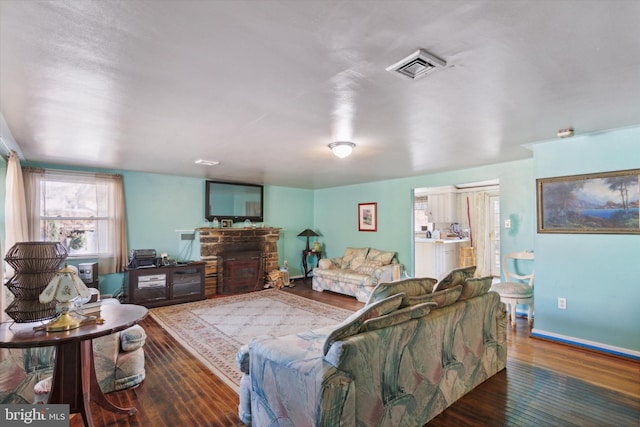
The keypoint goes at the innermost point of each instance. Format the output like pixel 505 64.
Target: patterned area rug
pixel 213 330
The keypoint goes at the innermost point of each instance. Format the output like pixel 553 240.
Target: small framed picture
pixel 226 223
pixel 367 217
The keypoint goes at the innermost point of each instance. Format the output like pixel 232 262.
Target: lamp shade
pixel 308 233
pixel 65 286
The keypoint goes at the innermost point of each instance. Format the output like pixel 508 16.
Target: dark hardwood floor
pixel 545 384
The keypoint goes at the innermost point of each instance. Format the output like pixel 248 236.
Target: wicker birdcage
pixel 36 257
pixel 35 264
pixel 29 285
pixel 28 310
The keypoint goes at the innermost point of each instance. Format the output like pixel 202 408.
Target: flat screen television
pixel 233 200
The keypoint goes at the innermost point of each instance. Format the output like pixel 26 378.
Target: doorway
pixel 475 209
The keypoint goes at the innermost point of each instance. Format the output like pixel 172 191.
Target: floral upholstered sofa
pixel 357 272
pixel 407 355
pixel 25 374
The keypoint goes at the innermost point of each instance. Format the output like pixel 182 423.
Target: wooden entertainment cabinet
pixel 157 286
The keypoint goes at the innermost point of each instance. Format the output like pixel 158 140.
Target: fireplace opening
pixel 242 272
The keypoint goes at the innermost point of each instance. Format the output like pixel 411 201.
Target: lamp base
pixel 64 322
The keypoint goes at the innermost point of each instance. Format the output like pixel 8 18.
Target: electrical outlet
pixel 562 303
pixel 507 223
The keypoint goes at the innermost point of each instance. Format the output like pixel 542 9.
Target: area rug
pixel 213 330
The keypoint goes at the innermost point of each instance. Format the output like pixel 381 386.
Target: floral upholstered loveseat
pixel 357 272
pixel 410 353
pixel 25 374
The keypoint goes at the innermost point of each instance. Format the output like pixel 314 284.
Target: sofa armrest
pixel 388 273
pixel 242 359
pixel 501 335
pixel 292 384
pixel 328 263
pixel 132 338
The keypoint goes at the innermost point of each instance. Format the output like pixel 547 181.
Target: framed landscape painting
pixel 605 203
pixel 367 217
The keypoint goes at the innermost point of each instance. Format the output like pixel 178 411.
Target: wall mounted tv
pixel 233 200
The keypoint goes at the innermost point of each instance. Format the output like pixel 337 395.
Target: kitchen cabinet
pixel 154 287
pixel 435 258
pixel 442 207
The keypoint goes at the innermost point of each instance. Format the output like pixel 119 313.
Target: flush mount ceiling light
pixel 417 65
pixel 206 162
pixel 342 148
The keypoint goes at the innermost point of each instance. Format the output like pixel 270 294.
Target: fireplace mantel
pixel 215 242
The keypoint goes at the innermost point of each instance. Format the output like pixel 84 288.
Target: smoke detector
pixel 565 133
pixel 417 65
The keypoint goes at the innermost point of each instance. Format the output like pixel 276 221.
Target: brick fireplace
pixel 237 258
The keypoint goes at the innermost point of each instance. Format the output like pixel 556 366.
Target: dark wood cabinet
pixel 154 287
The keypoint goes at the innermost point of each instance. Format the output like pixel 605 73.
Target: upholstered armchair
pixel 25 374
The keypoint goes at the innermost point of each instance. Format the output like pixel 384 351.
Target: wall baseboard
pixel 591 345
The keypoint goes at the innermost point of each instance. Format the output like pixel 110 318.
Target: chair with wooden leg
pixel 467 257
pixel 517 288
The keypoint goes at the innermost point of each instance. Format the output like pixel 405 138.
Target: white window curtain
pixel 112 254
pixel 15 214
pixel 4 295
pixel 479 232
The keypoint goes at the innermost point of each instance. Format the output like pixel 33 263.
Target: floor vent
pixel 417 65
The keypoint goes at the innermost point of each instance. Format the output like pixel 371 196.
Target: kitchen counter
pixel 445 240
pixel 436 257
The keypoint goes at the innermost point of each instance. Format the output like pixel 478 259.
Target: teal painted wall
pixel 598 274
pixel 292 210
pixel 336 218
pixel 158 205
pixel 336 209
pixel 581 268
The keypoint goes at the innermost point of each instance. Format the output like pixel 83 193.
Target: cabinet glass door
pixel 150 287
pixel 187 281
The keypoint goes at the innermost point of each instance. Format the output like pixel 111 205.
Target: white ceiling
pixel 264 86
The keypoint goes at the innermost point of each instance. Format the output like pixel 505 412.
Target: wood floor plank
pixel 545 384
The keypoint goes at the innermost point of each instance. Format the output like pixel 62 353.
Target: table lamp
pixel 65 286
pixel 308 233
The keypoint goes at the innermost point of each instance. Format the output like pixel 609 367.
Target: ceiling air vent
pixel 417 65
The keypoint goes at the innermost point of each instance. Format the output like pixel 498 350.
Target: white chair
pixel 518 285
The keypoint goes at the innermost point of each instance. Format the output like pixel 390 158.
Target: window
pixel 69 214
pixel 494 233
pixel 83 211
pixel 421 217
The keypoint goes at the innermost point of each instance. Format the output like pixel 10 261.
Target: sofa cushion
pixel 329 263
pixel 368 267
pixel 475 287
pixel 354 258
pixel 441 298
pixel 396 317
pixel 384 257
pixel 340 278
pixel 455 277
pixel 411 287
pixel 352 324
pixel 513 289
